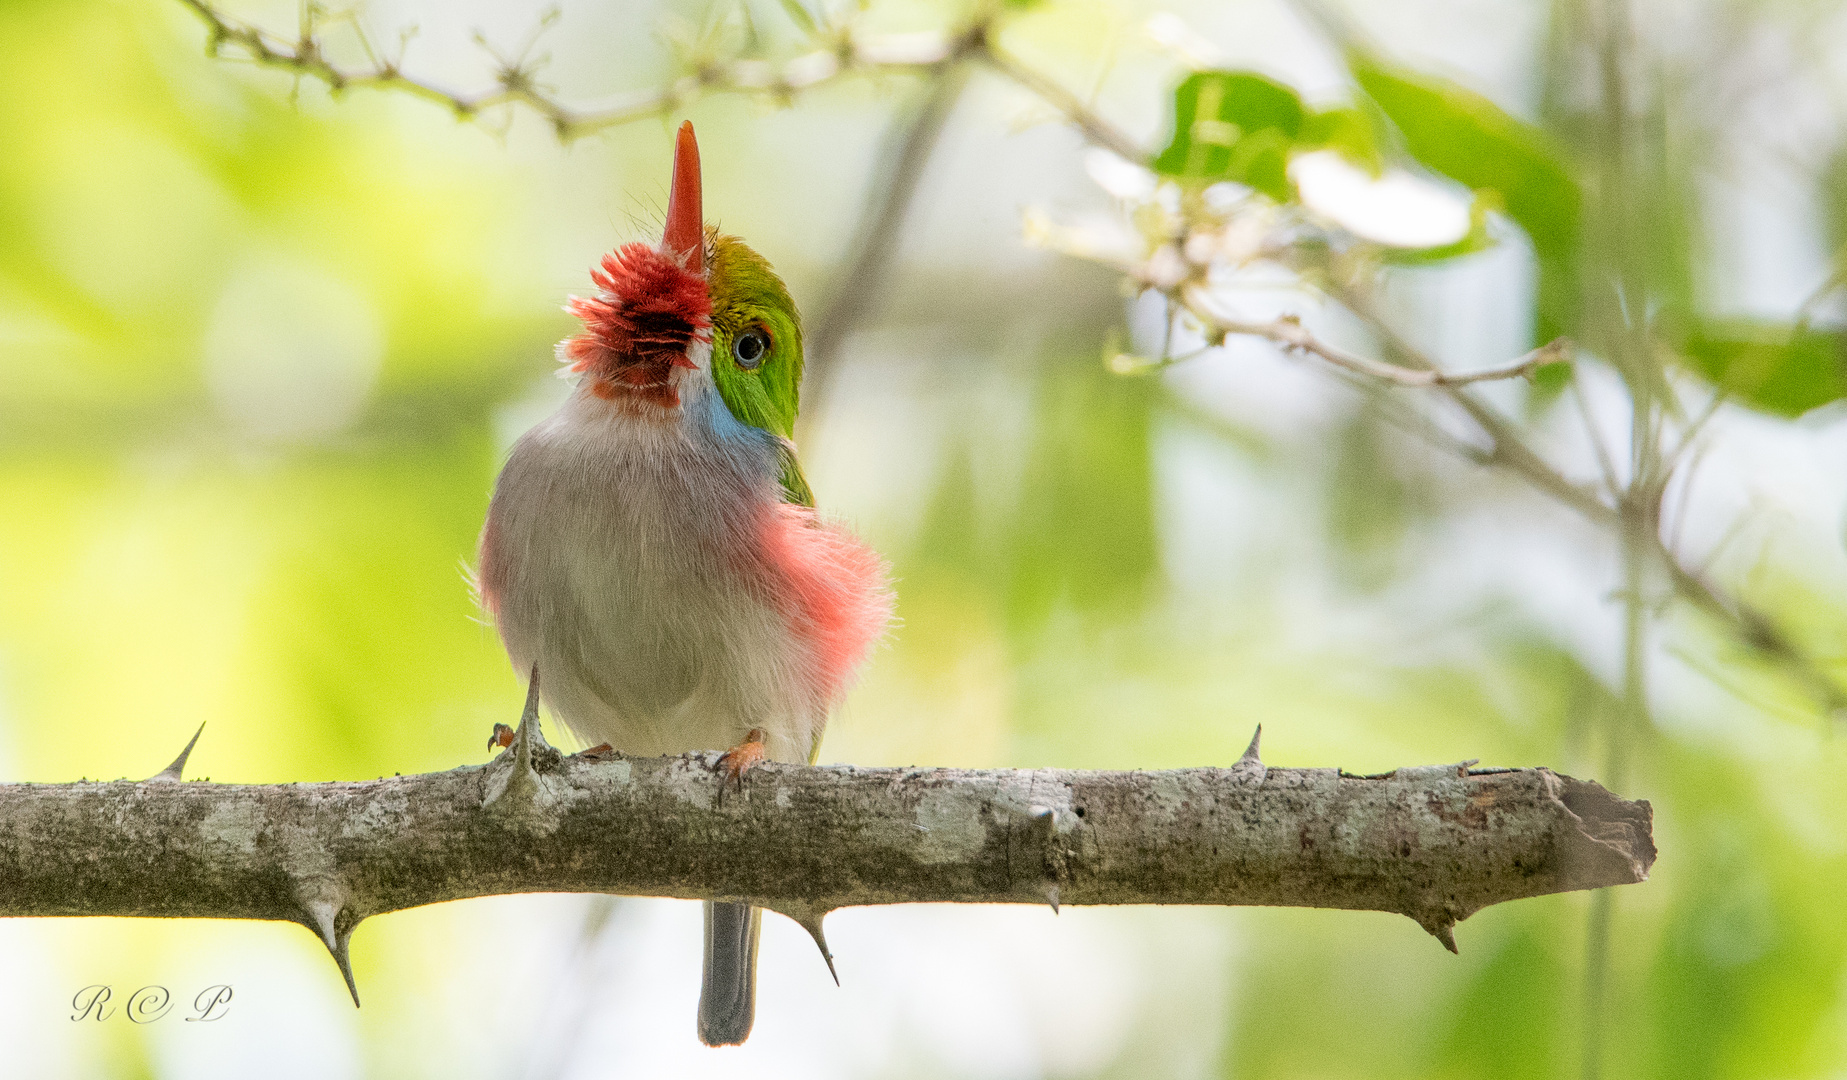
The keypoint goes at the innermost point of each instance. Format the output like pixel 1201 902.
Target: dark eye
pixel 748 348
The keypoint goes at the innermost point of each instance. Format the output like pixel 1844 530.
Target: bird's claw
pixel 743 757
pixel 599 752
pixel 501 738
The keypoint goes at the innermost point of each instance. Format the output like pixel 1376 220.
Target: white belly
pixel 618 556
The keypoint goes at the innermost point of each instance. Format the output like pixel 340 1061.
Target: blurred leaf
pixel 1468 138
pixel 1554 377
pixel 799 15
pixel 1778 368
pixel 1348 132
pixel 1549 381
pixel 1234 125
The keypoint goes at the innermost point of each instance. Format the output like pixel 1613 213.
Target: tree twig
pixel 845 53
pixel 1740 618
pixel 1096 129
pixel 1289 332
pixel 1509 450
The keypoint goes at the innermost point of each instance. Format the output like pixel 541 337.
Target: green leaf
pixel 1552 378
pixel 1234 125
pixel 1774 367
pixel 1347 132
pixel 1468 138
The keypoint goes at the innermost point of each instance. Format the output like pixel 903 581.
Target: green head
pixel 756 337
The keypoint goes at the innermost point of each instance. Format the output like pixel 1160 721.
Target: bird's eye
pixel 748 348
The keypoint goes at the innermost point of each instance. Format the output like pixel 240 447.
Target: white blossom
pixel 1398 209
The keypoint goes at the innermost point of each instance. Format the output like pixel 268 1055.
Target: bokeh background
pixel 261 352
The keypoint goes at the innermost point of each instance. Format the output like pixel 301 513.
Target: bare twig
pixel 844 54
pixel 1096 129
pixel 1289 332
pixel 835 51
pixel 1509 450
pixel 1606 465
pixel 1754 629
pixel 1738 616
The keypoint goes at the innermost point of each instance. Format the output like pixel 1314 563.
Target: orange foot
pixel 501 738
pixel 743 757
pixel 599 752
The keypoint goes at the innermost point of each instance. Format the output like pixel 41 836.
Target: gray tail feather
pixel 728 1000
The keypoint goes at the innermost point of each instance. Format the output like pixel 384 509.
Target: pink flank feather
pixel 832 589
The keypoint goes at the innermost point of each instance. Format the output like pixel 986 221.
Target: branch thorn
pixel 324 915
pixel 1249 770
pixel 1447 935
pixel 172 772
pixel 808 917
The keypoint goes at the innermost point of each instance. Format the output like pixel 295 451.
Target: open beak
pixel 685 235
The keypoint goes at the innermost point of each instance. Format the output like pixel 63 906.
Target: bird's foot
pixel 743 757
pixel 501 738
pixel 599 752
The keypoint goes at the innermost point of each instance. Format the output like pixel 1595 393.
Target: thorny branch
pixel 1436 843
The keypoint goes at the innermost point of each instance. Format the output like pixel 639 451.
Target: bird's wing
pixel 795 487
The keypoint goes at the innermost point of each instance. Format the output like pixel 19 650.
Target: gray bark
pixel 1435 843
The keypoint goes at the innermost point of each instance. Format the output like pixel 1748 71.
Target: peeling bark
pixel 1436 843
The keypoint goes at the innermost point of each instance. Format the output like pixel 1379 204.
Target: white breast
pixel 616 556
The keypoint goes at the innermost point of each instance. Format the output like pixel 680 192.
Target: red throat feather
pixel 652 303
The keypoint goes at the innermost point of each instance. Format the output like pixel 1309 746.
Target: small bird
pixel 653 548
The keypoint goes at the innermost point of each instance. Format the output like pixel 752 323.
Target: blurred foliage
pixel 1782 369
pixel 1082 533
pixel 1351 132
pixel 1468 138
pixel 1235 125
pixel 1243 126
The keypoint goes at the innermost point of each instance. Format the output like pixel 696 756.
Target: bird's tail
pixel 728 1000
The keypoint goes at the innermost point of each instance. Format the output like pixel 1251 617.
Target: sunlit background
pixel 263 350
